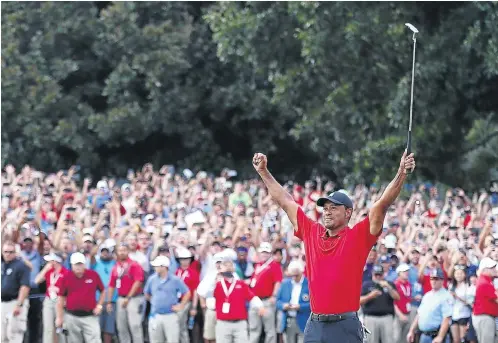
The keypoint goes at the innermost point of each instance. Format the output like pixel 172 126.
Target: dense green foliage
pixel 320 86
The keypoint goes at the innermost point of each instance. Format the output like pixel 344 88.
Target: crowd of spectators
pixel 184 221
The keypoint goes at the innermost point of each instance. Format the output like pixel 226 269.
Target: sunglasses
pixel 435 278
pixel 9 252
pixel 459 267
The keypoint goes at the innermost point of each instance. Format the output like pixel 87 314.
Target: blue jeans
pixel 428 339
pixel 348 330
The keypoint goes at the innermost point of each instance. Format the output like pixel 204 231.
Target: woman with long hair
pixel 464 294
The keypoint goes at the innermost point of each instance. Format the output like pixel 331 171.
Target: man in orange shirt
pixel 127 276
pixel 265 284
pixel 190 277
pixel 486 303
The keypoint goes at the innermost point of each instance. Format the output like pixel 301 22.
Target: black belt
pixel 125 296
pixel 80 313
pixel 431 334
pixel 332 317
pixel 6 299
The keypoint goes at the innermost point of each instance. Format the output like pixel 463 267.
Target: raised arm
pixel 278 193
pixel 380 207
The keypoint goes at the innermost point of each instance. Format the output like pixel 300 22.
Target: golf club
pixel 409 139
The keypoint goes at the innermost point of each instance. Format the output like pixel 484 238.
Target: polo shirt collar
pixel 487 278
pixel 339 234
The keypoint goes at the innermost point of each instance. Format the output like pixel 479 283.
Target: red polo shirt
pixel 263 283
pixel 80 292
pixel 404 289
pixel 128 272
pixel 426 280
pixel 237 299
pixel 190 276
pixel 485 302
pixel 334 264
pixel 53 281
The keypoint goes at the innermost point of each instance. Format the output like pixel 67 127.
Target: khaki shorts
pixel 210 325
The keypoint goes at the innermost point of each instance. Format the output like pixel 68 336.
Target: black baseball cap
pixel 437 274
pixel 338 198
pixel 377 269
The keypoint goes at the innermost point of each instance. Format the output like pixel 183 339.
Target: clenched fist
pixel 259 161
pixel 407 162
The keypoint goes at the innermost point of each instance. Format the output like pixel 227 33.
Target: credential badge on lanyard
pixel 226 305
pixel 52 291
pixel 258 271
pixel 121 271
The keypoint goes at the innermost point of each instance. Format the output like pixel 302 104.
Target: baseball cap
pixel 53 257
pixel 377 269
pixel 125 186
pixel 218 257
pixel 78 257
pixel 163 248
pixel 437 273
pixel 88 238
pixel 487 263
pixel 230 254
pixel 384 259
pixel 183 253
pixel 338 198
pixel 296 264
pixel 403 267
pixel 102 184
pixel 390 241
pixel 160 261
pixel 265 247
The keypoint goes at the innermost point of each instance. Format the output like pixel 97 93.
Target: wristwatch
pixel 19 305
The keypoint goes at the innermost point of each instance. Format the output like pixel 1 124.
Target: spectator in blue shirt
pixel 103 265
pixel 163 291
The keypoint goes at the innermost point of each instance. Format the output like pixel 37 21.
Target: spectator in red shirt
pixel 486 302
pixel 191 278
pixel 431 263
pixel 402 305
pixel 265 284
pixel 333 250
pixel 231 297
pixel 297 194
pixel 52 274
pixel 77 293
pixel 127 276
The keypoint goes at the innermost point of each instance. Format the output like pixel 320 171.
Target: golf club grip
pixel 409 143
pixel 409 148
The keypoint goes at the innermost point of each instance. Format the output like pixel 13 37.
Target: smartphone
pixel 71 209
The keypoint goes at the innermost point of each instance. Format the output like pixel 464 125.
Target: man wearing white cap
pixel 208 303
pixel 162 291
pixel 77 294
pixel 190 277
pixel 265 284
pixel 294 300
pixel 52 273
pixel 231 296
pixel 402 305
pixel 486 303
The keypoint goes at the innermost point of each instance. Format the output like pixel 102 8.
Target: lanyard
pixel 54 278
pixel 122 270
pixel 406 291
pixel 263 266
pixel 230 290
pixel 183 274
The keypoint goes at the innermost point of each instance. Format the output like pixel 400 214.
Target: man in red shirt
pixel 431 263
pixel 231 297
pixel 52 274
pixel 334 250
pixel 191 278
pixel 127 276
pixel 402 306
pixel 486 302
pixel 265 283
pixel 77 292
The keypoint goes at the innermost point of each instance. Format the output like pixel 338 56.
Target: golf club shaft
pixel 409 138
pixel 409 142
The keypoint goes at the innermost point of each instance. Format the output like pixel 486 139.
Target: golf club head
pixel 411 27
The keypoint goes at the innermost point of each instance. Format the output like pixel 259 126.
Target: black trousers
pixel 35 321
